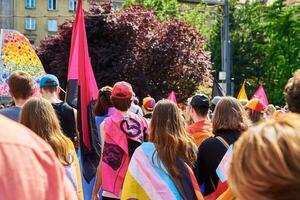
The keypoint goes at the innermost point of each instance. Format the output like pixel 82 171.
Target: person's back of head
pixel 38 115
pixel 200 105
pixel 49 86
pixel 230 115
pixel 103 101
pixel 121 96
pixel 214 102
pixel 148 104
pixel 292 93
pixel 21 85
pixel 265 163
pixel 170 138
pixel 255 108
pixel 29 163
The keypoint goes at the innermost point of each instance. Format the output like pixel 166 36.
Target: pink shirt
pixel 28 166
pixel 119 130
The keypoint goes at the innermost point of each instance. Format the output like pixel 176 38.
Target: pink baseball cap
pixel 122 90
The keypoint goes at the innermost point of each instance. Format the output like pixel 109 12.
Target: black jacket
pixel 210 154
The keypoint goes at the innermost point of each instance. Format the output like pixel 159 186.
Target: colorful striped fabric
pixel 146 179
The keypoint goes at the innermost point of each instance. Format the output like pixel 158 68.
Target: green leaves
pixel 265 46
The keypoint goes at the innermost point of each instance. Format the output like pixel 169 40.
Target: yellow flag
pixel 242 94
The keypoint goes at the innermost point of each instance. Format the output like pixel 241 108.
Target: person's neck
pixel 52 98
pixel 199 118
pixel 20 102
pixel 122 112
pixel 147 112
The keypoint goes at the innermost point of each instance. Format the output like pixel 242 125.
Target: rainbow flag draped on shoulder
pixel 147 179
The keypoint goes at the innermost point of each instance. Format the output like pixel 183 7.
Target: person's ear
pixel 32 91
pixel 58 91
pixel 41 91
pixel 192 110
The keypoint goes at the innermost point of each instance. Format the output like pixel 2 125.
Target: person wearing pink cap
pixel 121 134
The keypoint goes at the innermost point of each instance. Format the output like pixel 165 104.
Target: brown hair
pixel 229 115
pixel 292 92
pixel 170 138
pixel 254 116
pixel 38 115
pixel 266 159
pixel 121 104
pixel 21 85
pixel 103 101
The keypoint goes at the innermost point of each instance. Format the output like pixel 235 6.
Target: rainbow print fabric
pixel 16 53
pixel 148 179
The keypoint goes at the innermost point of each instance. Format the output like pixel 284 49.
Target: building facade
pixel 37 19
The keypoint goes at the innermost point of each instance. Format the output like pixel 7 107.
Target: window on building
pixel 52 5
pixel 72 5
pixel 52 25
pixel 30 23
pixel 29 3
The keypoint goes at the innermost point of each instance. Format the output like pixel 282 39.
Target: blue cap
pixel 49 80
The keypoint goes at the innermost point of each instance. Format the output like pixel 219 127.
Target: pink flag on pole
pixel 261 94
pixel 172 97
pixel 80 73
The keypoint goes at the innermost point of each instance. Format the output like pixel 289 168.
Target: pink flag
pixel 261 94
pixel 80 73
pixel 81 68
pixel 172 97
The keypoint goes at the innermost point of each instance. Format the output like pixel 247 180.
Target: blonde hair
pixel 170 138
pixel 38 115
pixel 229 114
pixel 266 159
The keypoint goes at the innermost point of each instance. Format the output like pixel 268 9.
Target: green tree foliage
pixel 265 42
pixel 163 8
pixel 202 17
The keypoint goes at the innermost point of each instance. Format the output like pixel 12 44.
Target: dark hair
pixel 121 104
pixel 212 107
pixel 292 93
pixel 201 110
pixel 103 101
pixel 21 85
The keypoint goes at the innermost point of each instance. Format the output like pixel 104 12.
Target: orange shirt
pixel 200 131
pixel 28 166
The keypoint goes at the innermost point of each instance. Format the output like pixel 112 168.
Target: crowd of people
pixel 149 149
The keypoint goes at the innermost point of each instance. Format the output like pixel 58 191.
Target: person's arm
pixel 98 183
pixel 76 139
pixel 98 180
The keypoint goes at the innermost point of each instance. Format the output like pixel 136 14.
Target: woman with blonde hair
pixel 229 121
pixel 265 163
pixel 160 169
pixel 38 115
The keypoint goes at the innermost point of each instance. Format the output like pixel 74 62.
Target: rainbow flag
pixel 147 178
